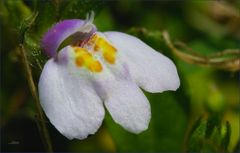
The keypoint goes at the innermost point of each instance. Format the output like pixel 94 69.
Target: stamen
pixel 91 18
pixel 88 23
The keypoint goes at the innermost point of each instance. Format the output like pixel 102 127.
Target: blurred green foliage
pixel 201 116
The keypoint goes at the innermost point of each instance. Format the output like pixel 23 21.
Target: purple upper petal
pixel 62 30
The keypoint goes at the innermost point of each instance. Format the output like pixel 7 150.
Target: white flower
pixel 100 69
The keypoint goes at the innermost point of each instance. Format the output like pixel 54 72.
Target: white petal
pixel 124 100
pixel 151 70
pixel 127 105
pixel 69 101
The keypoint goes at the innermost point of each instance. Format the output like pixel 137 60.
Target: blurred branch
pixel 156 34
pixel 230 63
pixel 33 90
pixel 228 59
pixel 40 116
pixel 225 13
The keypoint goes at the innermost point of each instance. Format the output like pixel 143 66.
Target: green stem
pixel 40 115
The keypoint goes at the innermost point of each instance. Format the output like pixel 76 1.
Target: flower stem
pixel 40 116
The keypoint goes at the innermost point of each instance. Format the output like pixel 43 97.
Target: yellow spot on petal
pixel 109 57
pixel 95 66
pixel 101 42
pixel 96 48
pixel 83 58
pixel 108 51
pixel 87 58
pixel 93 39
pixel 79 61
pixel 79 50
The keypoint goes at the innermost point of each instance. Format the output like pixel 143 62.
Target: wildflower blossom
pixel 98 69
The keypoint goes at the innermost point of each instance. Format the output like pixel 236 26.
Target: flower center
pixel 96 45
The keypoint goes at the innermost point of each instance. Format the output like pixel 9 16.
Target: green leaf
pixel 226 138
pixel 212 122
pixel 195 142
pixel 195 125
pixel 209 136
pixel 25 25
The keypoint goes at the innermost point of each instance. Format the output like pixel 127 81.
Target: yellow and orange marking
pixel 108 51
pixel 84 58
